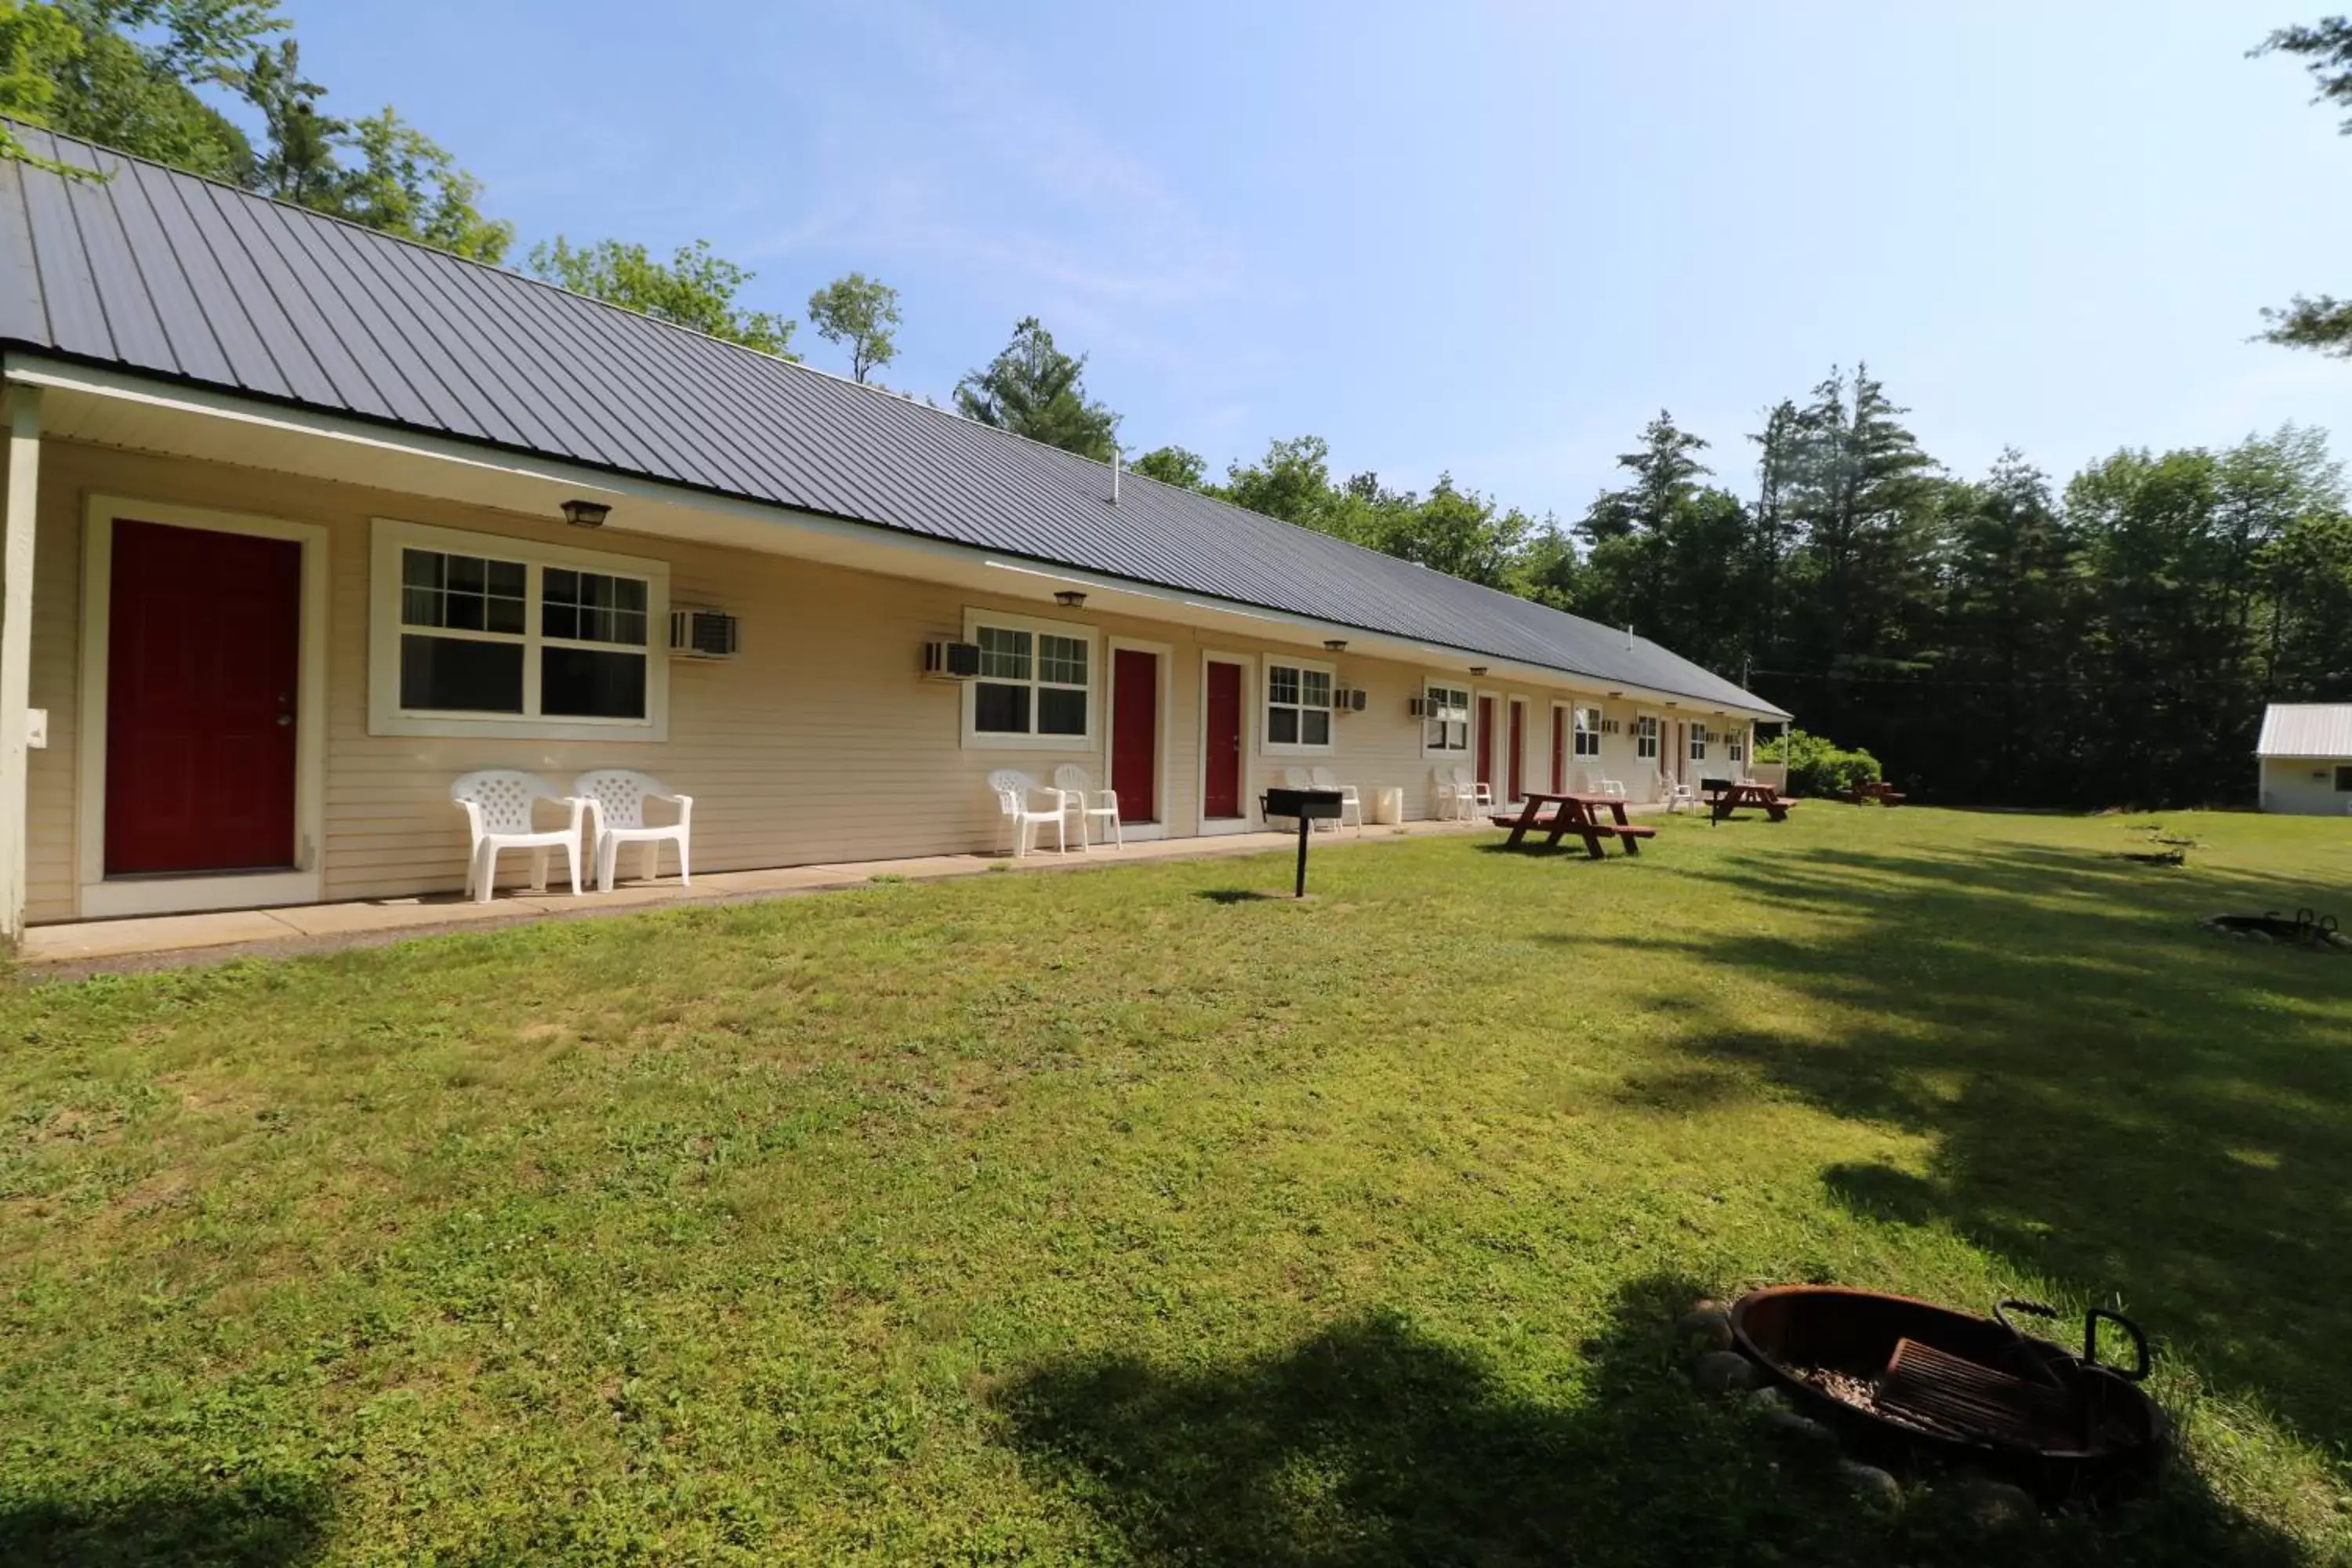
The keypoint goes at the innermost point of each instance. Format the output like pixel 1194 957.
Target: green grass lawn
pixel 1117 1216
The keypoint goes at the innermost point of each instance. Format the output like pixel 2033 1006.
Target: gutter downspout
pixel 18 515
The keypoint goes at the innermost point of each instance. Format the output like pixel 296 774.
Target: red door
pixel 1487 741
pixel 204 646
pixel 1519 751
pixel 1221 745
pixel 1559 749
pixel 1135 734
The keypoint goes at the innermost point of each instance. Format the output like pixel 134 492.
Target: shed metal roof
pixel 2305 729
pixel 166 274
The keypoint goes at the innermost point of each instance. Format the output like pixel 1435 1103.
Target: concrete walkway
pixel 164 940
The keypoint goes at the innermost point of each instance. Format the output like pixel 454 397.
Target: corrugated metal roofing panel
pixel 166 274
pixel 2306 729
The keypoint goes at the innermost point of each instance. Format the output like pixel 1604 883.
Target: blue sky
pixel 1492 239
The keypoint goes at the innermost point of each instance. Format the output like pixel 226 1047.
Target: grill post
pixel 1300 891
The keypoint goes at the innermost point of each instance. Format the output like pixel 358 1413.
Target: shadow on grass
pixel 1373 1443
pixel 271 1522
pixel 2117 1101
pixel 1234 895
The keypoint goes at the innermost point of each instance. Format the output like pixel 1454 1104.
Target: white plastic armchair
pixel 1348 799
pixel 1449 805
pixel 616 802
pixel 1477 796
pixel 1017 795
pixel 497 804
pixel 1676 794
pixel 1079 794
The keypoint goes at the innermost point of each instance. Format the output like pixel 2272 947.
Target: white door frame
pixel 1502 779
pixel 1158 827
pixel 1242 824
pixel 1527 713
pixel 1563 735
pixel 101 896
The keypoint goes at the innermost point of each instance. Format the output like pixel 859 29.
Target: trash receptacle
pixel 1388 805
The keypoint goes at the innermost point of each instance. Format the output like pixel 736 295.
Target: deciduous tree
pixel 860 313
pixel 695 289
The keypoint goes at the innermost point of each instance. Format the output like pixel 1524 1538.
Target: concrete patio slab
pixel 312 928
pixel 386 914
pixel 117 939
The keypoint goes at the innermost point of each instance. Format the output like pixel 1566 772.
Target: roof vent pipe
pixel 1629 634
pixel 1114 475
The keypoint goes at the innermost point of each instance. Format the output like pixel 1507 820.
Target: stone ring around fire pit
pixel 2316 932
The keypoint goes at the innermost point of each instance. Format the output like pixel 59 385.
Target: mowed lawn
pixel 1128 1215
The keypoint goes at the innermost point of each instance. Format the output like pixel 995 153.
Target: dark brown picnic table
pixel 1580 815
pixel 1730 796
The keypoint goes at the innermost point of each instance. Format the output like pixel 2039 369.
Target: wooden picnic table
pixel 1728 797
pixel 1580 815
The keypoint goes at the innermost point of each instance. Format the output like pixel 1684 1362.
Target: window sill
pixel 1296 748
pixel 436 728
pixel 989 741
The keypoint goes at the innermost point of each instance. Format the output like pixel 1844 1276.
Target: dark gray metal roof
pixel 169 275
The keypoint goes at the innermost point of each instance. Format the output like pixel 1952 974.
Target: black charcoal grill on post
pixel 1307 805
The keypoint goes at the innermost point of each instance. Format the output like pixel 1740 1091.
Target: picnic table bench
pixel 1580 815
pixel 1726 796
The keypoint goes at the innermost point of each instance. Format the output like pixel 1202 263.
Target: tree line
pixel 2001 638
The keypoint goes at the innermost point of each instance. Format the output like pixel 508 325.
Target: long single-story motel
pixel 296 533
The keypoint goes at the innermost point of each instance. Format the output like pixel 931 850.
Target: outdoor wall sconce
pixel 1070 599
pixel 1477 669
pixel 586 513
pixel 1337 645
pixel 1616 694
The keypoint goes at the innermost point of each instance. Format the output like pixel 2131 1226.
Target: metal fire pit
pixel 1899 1374
pixel 1308 805
pixel 2305 929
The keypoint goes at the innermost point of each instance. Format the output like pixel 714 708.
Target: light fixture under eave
pixel 1616 694
pixel 586 513
pixel 1336 645
pixel 1070 599
pixel 1477 669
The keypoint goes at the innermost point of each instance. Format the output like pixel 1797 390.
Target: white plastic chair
pixel 1449 806
pixel 1676 794
pixel 616 800
pixel 1348 799
pixel 1613 787
pixel 1013 790
pixel 497 804
pixel 1478 797
pixel 1079 794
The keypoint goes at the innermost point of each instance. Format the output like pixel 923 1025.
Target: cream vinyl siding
pixel 820 741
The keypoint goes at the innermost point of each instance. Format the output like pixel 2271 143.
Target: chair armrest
pixel 473 818
pixel 684 804
pixel 1106 800
pixel 581 806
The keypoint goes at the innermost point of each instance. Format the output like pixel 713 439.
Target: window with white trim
pixel 1297 707
pixel 1735 745
pixel 1446 727
pixel 1697 743
pixel 475 634
pixel 1587 736
pixel 1645 738
pixel 1035 685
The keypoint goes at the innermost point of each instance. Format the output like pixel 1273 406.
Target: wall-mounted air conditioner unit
pixel 1347 698
pixel 700 633
pixel 945 660
pixel 1419 707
